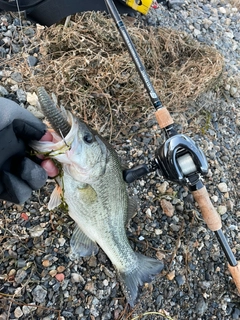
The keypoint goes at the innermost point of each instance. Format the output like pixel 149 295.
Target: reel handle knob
pixel 130 175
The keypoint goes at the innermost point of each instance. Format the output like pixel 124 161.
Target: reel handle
pixel 130 175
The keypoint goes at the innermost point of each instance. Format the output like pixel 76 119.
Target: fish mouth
pixel 63 145
pixel 59 145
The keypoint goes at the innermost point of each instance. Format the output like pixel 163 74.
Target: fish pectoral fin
pixel 87 194
pixel 55 198
pixel 145 271
pixel 81 245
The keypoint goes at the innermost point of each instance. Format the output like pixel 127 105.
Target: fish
pixel 91 184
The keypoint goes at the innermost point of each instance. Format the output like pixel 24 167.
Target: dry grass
pixel 235 3
pixel 88 67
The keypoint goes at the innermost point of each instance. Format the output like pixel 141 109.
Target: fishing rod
pixel 179 159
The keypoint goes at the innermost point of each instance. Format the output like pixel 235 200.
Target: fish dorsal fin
pixel 132 209
pixel 56 198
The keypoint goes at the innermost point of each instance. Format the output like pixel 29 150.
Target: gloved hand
pixel 18 174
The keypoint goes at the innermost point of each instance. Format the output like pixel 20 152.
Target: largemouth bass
pixel 92 186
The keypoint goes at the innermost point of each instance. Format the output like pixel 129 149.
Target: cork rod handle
pixel 209 213
pixel 163 117
pixel 235 273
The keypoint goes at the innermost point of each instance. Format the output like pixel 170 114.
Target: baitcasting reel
pixel 178 160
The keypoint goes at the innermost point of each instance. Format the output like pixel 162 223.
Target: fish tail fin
pixel 146 269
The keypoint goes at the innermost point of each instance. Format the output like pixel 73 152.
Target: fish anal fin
pixel 146 269
pixel 132 209
pixel 55 198
pixel 81 245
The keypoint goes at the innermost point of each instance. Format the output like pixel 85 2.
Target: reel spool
pixel 180 160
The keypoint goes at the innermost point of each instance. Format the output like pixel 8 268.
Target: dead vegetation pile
pixel 89 69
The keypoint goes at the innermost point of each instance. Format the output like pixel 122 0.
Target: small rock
pixel 222 10
pixel 158 232
pixel 32 99
pixel 214 198
pixel 171 275
pixel 24 216
pixel 32 61
pixel 94 310
pixel 234 91
pixel 20 276
pixel 236 313
pixel 8 33
pixel 223 187
pixel 90 287
pixel 18 312
pixel 46 263
pixel 17 77
pixel 229 34
pixel 93 261
pixel 56 286
pixel 3 53
pixel 163 187
pixel 201 306
pixel 7 41
pixel 175 227
pixel 61 241
pixel 39 294
pixel 35 112
pixel 230 205
pixel 160 255
pixel 21 95
pixel 60 277
pixel 21 263
pixel 196 32
pixel 15 48
pixel 76 278
pixel 14 87
pixel 29 32
pixel 3 91
pixel 148 213
pixel 60 269
pixel 167 207
pixel 26 310
pixel 79 311
pixel 53 273
pixel 222 210
pixel 11 273
pixel 180 279
pixel 36 231
pixel 105 282
pixel 175 3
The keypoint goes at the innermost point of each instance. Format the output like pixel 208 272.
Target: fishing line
pixel 62 136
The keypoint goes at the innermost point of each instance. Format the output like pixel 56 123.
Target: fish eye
pixel 88 137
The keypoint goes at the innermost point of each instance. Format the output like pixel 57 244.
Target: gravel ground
pixel 39 281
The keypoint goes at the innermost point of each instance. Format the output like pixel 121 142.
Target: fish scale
pixel 96 195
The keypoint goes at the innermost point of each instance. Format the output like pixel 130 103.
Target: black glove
pixel 18 174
